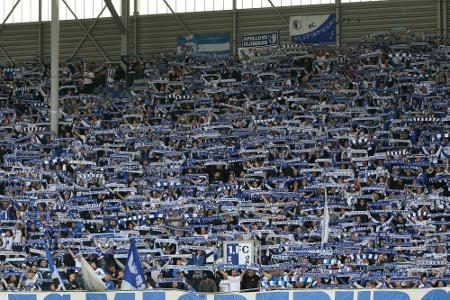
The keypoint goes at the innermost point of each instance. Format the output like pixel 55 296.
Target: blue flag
pixel 53 270
pixel 134 274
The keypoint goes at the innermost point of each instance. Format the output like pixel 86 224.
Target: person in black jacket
pixel 207 285
pixel 250 281
pixel 72 282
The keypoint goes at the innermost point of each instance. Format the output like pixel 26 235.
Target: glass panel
pixel 246 4
pixel 199 5
pixel 45 10
pixel 73 5
pixel 88 12
pixel 33 10
pixel 16 16
pixel 218 4
pixel 209 5
pixel 265 3
pixel 190 5
pixel 97 8
pixel 7 6
pixel 227 4
pixel 173 4
pixel 143 7
pixel 152 7
pixel 106 13
pixel 118 5
pixel 276 2
pixel 27 11
pixel 162 7
pixel 181 6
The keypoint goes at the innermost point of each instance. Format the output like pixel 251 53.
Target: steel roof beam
pixel 122 28
pixel 187 31
pixel 279 13
pixel 87 32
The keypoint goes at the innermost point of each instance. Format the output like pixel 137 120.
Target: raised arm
pixel 224 274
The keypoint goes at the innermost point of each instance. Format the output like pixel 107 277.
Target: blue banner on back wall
pixel 313 29
pixel 216 45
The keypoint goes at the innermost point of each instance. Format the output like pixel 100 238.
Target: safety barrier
pixel 412 294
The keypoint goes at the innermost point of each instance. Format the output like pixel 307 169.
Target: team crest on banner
pixel 239 253
pixel 313 29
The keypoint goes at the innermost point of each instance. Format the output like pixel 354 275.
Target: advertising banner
pixel 260 39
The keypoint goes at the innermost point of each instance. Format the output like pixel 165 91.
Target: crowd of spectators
pixel 273 149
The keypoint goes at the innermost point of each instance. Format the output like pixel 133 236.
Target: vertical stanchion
pixel 40 32
pixel 135 24
pixel 54 57
pixel 338 24
pixel 234 28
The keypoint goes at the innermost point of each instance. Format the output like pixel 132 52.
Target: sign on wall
pixel 239 253
pixel 260 39
pixel 215 45
pixel 313 29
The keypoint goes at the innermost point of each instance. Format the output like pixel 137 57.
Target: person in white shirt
pixel 233 282
pixel 224 286
pixel 110 73
pixel 99 271
pixel 18 234
pixel 88 80
pixel 7 241
pixel 30 283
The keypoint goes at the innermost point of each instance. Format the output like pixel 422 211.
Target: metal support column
pixel 124 35
pixel 40 33
pixel 234 27
pixel 439 19
pixel 54 96
pixel 116 16
pixel 135 24
pixel 445 4
pixel 338 24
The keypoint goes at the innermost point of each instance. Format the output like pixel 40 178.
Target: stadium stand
pixel 335 165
